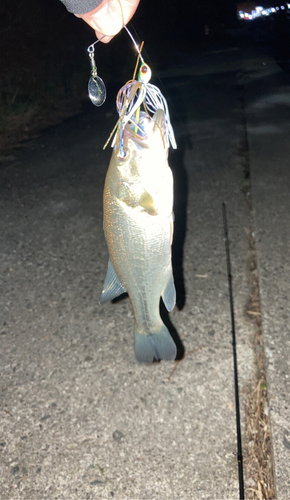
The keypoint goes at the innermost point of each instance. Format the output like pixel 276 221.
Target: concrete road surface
pixel 268 105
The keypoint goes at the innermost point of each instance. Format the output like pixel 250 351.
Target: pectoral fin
pixel 147 202
pixel 112 286
pixel 130 194
pixel 169 295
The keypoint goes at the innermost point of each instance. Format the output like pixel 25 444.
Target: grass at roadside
pixel 43 62
pixel 22 120
pixel 258 459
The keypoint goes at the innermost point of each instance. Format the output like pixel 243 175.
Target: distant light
pixel 260 11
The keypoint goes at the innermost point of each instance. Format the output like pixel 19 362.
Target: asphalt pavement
pixel 80 417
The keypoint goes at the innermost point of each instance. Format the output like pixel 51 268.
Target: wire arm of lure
pixel 91 51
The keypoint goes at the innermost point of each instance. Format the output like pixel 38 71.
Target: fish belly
pixel 140 251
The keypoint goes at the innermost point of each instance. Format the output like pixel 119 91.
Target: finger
pixel 103 38
pixel 110 17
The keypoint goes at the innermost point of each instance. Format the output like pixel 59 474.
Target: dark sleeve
pixel 81 6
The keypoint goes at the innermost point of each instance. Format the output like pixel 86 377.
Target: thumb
pixel 110 17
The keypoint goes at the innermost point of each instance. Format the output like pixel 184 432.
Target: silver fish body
pixel 138 225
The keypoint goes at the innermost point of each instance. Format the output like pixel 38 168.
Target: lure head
pixel 145 73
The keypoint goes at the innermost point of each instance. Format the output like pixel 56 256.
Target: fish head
pixel 143 179
pixel 148 134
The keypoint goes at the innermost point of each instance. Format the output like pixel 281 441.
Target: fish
pixel 138 227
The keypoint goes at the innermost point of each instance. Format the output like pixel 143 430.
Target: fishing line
pixel 145 52
pixel 236 382
pixel 155 72
pixel 135 44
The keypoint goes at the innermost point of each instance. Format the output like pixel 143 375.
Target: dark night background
pixel 67 394
pixel 44 63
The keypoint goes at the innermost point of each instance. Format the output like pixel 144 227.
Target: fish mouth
pixel 137 132
pixel 138 138
pixel 140 132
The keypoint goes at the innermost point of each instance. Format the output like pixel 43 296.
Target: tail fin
pixel 156 346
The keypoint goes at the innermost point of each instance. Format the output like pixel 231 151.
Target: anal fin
pixel 169 295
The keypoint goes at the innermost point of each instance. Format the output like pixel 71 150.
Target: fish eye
pixel 121 155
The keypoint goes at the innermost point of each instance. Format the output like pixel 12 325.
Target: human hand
pixel 110 17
